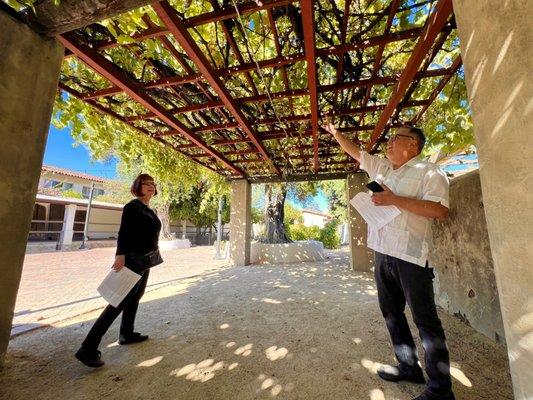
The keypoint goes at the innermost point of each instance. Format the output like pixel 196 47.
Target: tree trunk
pixel 274 215
pixel 163 212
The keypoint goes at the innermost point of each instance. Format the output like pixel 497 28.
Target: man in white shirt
pixel 421 191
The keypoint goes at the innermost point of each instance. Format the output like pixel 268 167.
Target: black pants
pixel 399 282
pixel 128 307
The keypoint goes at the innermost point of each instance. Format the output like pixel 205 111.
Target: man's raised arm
pixel 347 145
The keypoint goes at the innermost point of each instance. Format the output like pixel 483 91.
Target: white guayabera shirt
pixel 407 236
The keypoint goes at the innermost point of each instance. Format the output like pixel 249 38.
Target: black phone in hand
pixel 375 187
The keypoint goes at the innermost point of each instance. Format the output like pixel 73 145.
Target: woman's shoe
pixel 90 358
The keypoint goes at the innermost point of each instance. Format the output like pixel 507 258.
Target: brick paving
pixel 60 285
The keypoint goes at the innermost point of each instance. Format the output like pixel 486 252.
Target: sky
pixel 60 152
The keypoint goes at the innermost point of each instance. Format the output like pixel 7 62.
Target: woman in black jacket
pixel 138 234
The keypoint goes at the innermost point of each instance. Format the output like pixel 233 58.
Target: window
pixel 50 183
pixel 67 186
pixel 98 192
pixel 86 191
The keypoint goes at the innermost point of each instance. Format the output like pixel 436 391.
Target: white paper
pixel 116 285
pixel 375 216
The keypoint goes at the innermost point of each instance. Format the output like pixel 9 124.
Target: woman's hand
pixel 119 263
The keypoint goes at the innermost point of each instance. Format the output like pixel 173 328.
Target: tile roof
pixel 75 174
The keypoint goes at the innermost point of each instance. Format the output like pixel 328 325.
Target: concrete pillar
pixel 496 49
pixel 29 71
pixel 65 238
pixel 361 258
pixel 240 222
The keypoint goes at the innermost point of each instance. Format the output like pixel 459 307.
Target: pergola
pixel 242 88
pixel 256 115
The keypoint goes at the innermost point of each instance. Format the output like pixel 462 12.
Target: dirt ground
pixel 299 331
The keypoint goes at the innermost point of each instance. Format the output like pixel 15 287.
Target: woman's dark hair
pixel 136 187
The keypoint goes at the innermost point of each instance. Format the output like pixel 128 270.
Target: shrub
pixel 329 236
pixel 302 232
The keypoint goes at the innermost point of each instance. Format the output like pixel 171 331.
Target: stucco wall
pixel 104 223
pixel 29 72
pixel 465 284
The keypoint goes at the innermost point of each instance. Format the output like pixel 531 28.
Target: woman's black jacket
pixel 139 229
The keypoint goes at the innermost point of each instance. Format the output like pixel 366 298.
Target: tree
pixel 105 136
pixel 335 192
pixel 274 206
pixel 199 205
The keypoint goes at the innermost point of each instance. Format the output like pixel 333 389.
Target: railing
pixel 51 230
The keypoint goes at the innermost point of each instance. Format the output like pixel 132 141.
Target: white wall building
pixel 64 179
pixel 315 218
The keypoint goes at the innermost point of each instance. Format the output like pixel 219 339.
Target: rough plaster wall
pixel 496 38
pixel 29 71
pixel 465 284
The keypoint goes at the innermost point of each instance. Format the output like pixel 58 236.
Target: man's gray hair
pixel 419 133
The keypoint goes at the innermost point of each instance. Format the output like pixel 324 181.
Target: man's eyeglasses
pixel 148 183
pixel 396 136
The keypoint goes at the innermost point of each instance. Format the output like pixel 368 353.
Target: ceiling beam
pixel 434 25
pixel 117 77
pixel 379 52
pixel 275 62
pixel 229 12
pixel 113 114
pixel 300 177
pixel 176 26
pixel 308 21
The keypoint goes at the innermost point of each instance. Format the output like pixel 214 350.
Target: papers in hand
pixel 116 285
pixel 375 216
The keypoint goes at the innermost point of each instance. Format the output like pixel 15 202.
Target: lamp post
pixel 87 214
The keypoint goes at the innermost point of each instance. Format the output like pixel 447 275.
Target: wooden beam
pixel 178 29
pixel 308 21
pixel 117 77
pixel 111 113
pixel 229 12
pixel 434 25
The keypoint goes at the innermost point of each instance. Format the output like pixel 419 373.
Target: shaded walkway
pixel 306 331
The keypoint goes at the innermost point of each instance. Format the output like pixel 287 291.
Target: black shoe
pixel 394 374
pixel 132 338
pixel 90 358
pixel 428 395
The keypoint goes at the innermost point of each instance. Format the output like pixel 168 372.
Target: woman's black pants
pixel 398 282
pixel 128 307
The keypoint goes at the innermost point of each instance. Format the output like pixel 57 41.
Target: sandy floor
pixel 306 331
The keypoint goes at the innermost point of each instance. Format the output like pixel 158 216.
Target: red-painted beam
pixel 455 66
pixel 149 33
pixel 308 20
pixel 217 127
pixel 379 53
pixel 178 29
pixel 111 113
pixel 112 73
pixel 229 12
pixel 275 62
pixel 214 16
pixel 170 81
pixel 434 25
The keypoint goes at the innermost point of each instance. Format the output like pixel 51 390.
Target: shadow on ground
pixel 298 331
